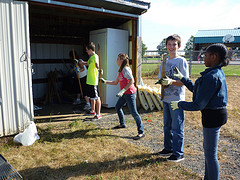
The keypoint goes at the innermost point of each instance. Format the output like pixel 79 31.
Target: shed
pixel 36 37
pixel 204 38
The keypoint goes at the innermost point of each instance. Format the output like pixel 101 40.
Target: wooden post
pixel 100 73
pixel 164 58
pixel 77 74
pixel 134 50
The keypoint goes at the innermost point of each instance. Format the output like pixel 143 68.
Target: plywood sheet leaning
pixel 142 98
pixel 154 98
pixel 157 94
pixel 148 98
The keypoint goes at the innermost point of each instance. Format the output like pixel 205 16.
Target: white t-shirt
pixel 81 73
pixel 172 92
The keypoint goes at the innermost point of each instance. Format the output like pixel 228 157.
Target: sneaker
pixel 86 107
pixel 77 101
pixel 174 158
pixel 90 113
pixel 139 136
pixel 165 152
pixel 97 117
pixel 119 127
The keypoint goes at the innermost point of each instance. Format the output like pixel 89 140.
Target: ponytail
pixel 125 62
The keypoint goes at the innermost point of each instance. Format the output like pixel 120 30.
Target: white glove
pixel 177 73
pixel 76 60
pixel 120 94
pixel 100 71
pixel 174 105
pixel 166 81
pixel 103 80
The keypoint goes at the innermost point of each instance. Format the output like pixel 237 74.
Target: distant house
pixel 230 37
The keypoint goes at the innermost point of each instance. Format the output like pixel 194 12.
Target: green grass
pixel 150 69
pixel 153 69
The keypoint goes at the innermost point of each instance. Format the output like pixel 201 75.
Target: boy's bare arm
pixel 97 65
pixel 83 63
pixel 177 83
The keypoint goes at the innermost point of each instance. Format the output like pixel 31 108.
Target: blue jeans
pixel 130 99
pixel 210 144
pixel 173 121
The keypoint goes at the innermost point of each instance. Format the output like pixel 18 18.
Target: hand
pixel 177 73
pixel 159 81
pixel 174 105
pixel 76 60
pixel 103 80
pixel 166 81
pixel 100 71
pixel 120 94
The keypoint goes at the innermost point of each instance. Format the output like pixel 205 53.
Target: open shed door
pixel 16 102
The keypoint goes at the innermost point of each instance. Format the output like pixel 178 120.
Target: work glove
pixel 166 81
pixel 174 105
pixel 103 80
pixel 76 60
pixel 100 71
pixel 159 81
pixel 120 94
pixel 177 73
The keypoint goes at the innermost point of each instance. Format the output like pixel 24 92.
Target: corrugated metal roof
pixel 136 7
pixel 217 32
pixel 216 36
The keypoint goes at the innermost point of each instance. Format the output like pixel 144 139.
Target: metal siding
pixel 217 32
pixel 49 51
pixel 15 80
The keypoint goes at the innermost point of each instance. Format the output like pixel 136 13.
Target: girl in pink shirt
pixel 126 95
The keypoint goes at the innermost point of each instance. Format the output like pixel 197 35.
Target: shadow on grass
pixel 92 169
pixel 47 135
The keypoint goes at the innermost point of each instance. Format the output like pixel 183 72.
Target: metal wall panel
pixel 16 106
pixel 50 51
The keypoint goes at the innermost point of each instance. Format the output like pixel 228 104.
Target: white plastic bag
pixel 29 136
pixel 18 138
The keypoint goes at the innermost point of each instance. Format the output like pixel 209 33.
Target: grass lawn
pixel 76 150
pixel 73 149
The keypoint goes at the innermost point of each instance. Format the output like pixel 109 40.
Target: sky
pixel 185 18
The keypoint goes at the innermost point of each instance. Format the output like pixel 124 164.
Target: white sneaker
pixel 86 107
pixel 77 101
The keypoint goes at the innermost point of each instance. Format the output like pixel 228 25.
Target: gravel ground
pixel 228 150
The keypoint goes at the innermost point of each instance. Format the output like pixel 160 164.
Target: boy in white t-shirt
pixel 174 90
pixel 81 70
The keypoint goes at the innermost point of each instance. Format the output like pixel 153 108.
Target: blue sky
pixel 186 17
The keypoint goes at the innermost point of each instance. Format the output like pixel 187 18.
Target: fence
pixel 193 57
pixel 189 55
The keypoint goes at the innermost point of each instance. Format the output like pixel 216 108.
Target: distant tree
pixel 162 47
pixel 189 46
pixel 144 48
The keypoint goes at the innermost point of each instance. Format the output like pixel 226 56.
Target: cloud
pixel 203 14
pixel 186 17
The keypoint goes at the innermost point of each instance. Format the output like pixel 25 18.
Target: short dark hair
pixel 174 37
pixel 221 51
pixel 91 46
